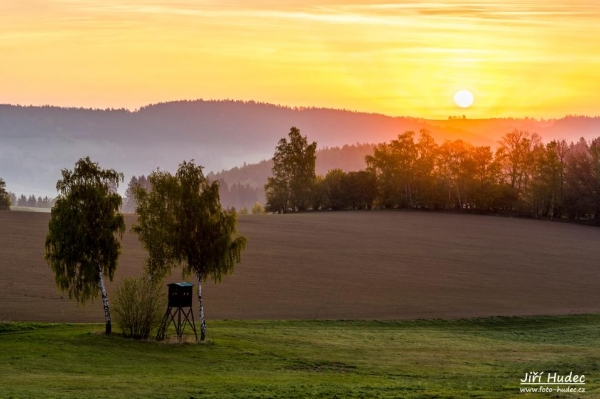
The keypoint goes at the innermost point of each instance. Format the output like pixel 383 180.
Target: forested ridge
pixel 37 142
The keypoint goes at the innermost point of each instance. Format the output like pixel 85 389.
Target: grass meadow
pixel 469 358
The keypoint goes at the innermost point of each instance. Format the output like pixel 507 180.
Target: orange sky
pixel 519 58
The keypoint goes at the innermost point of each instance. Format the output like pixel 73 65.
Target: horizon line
pixel 297 109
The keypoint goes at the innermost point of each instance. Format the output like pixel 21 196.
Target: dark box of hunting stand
pixel 180 295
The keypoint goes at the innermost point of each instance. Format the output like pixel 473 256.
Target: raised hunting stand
pixel 180 297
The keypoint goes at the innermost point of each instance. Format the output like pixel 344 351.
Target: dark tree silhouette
pixel 290 188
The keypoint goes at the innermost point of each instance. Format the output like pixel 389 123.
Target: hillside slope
pixel 37 142
pixel 348 158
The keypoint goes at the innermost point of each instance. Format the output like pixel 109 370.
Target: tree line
pixel 33 202
pixel 10 199
pixel 523 176
pixel 239 196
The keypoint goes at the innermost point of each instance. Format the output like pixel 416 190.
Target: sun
pixel 463 98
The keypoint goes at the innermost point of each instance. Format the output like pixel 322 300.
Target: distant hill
pixel 348 158
pixel 37 142
pixel 243 186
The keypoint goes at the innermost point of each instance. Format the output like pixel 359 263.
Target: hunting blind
pixel 180 297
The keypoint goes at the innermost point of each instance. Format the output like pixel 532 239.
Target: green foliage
pixel 339 190
pixel 181 221
pixel 81 238
pixel 206 240
pixel 4 196
pixel 156 223
pixel 244 211
pixel 361 188
pixel 335 189
pixel 277 195
pixel 138 306
pixel 320 200
pixel 291 187
pixel 81 246
pixel 483 358
pixel 257 208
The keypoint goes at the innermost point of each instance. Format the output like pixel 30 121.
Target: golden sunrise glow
pixel 463 98
pixel 518 58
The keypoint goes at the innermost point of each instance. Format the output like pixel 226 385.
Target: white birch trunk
pixel 201 307
pixel 108 328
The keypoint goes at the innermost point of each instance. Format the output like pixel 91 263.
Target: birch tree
pixel 189 226
pixel 81 245
pixel 156 223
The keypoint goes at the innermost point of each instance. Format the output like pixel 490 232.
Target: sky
pixel 519 58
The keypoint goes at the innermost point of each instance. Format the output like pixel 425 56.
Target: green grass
pixel 303 359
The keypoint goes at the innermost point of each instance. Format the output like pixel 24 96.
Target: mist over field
pixel 37 142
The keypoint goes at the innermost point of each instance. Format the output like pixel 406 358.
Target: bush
pixel 257 209
pixel 138 307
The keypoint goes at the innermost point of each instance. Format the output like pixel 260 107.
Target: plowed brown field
pixel 348 265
